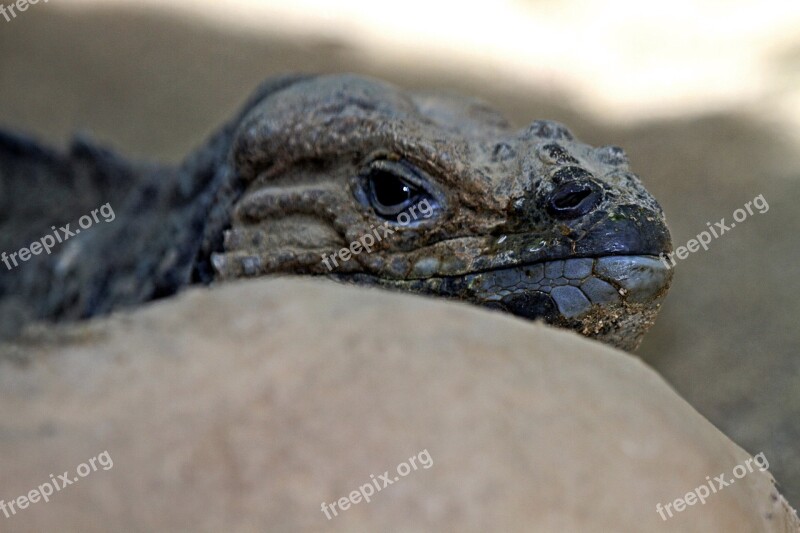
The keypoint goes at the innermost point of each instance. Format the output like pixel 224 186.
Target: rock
pixel 246 406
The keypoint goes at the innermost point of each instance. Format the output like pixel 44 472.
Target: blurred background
pixel 704 96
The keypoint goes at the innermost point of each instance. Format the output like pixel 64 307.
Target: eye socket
pixel 392 187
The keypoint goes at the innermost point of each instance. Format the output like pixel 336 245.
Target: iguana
pixel 532 222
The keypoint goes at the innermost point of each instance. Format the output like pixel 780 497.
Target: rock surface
pixel 244 407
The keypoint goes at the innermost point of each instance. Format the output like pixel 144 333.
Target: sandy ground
pixel 154 85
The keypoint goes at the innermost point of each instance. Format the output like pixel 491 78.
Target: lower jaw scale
pixel 614 298
pixel 576 284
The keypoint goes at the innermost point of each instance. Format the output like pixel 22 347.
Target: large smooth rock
pixel 244 407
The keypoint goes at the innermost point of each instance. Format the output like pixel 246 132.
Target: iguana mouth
pixel 613 297
pixel 565 288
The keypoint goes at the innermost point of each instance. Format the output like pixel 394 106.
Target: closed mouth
pixel 570 288
pixel 612 298
pixel 553 289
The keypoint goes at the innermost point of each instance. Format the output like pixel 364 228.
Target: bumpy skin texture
pixel 532 221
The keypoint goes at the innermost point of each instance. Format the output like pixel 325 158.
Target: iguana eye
pixel 391 189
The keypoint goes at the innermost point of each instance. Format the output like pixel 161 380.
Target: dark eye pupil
pixel 390 190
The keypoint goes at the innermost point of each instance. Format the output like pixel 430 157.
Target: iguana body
pixel 531 221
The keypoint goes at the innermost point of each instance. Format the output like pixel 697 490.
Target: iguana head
pixel 455 201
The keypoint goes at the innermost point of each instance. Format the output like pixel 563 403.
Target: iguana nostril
pixel 570 199
pixel 573 199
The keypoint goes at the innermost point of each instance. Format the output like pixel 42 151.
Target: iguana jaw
pixel 611 298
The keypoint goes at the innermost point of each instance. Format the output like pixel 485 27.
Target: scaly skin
pixel 532 222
